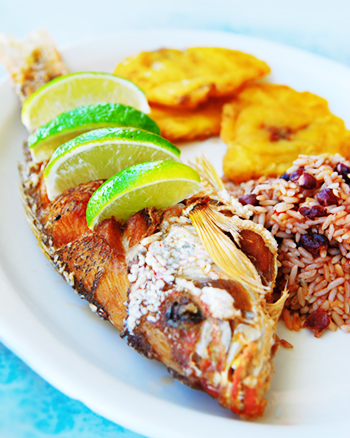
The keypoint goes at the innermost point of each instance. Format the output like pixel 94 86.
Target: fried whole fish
pixel 211 327
pixel 188 285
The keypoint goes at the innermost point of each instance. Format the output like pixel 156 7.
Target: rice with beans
pixel 308 212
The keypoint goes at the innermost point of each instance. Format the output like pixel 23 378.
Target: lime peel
pixel 76 89
pixel 159 184
pixel 101 153
pixel 45 140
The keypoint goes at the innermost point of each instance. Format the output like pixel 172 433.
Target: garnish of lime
pixel 76 89
pixel 101 153
pixel 159 184
pixel 69 124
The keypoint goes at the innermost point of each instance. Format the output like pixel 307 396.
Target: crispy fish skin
pixel 267 126
pixel 184 79
pixel 93 263
pixel 189 124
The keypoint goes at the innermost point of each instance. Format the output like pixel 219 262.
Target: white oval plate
pixel 52 330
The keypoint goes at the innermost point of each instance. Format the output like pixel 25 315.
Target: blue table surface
pixel 32 408
pixel 29 406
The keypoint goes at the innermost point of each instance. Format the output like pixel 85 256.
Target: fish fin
pixel 31 217
pixel 206 170
pixel 215 187
pixel 225 224
pixel 32 62
pixel 224 252
pixel 275 309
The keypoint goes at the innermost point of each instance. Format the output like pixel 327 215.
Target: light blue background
pixel 29 406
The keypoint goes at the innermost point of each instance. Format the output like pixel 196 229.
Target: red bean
pixel 294 176
pixel 305 211
pixel 314 243
pixel 248 200
pixel 313 212
pixel 285 176
pixel 317 211
pixel 317 321
pixel 326 197
pixel 307 181
pixel 344 171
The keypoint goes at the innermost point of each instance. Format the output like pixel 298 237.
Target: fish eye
pixel 179 314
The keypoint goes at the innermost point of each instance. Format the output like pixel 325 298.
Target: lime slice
pixel 46 139
pixel 159 184
pixel 100 154
pixel 75 89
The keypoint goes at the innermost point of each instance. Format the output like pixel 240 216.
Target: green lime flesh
pixel 46 139
pixel 75 89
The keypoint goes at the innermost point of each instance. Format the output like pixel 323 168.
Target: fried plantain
pixel 189 124
pixel 267 126
pixel 185 79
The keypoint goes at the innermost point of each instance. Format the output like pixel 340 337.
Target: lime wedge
pixel 75 89
pixel 159 184
pixel 101 153
pixel 46 139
